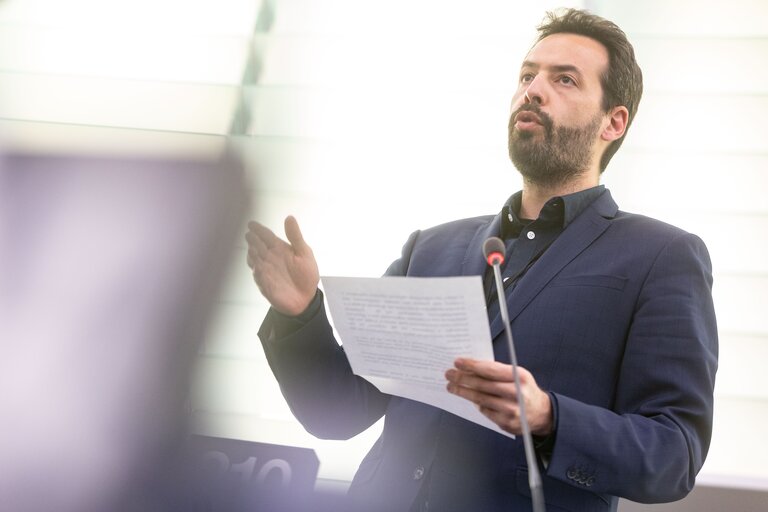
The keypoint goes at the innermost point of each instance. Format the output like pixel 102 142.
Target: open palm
pixel 285 272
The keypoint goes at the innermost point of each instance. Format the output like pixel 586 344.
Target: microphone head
pixel 493 250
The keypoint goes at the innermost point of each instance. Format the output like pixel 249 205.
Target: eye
pixel 526 78
pixel 566 80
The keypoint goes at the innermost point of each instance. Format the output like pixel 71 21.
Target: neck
pixel 535 195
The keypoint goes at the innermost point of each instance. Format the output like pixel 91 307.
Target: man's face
pixel 556 117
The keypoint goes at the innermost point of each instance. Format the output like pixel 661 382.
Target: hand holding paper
pixel 402 334
pixel 490 385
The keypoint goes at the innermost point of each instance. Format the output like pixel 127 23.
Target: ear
pixel 618 119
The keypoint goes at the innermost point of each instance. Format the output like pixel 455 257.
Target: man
pixel 612 316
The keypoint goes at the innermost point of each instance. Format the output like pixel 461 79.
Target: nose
pixel 534 92
pixel 532 96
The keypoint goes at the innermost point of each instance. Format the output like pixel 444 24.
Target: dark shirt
pixel 526 239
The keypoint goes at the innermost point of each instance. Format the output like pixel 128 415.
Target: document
pixel 403 333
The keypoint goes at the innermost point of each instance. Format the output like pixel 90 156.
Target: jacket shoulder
pixel 454 227
pixel 449 240
pixel 643 226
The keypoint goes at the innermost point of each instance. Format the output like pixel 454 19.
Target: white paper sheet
pixel 403 333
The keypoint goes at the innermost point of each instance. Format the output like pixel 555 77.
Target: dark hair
pixel 622 81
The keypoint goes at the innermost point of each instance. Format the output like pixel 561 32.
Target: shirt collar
pixel 558 212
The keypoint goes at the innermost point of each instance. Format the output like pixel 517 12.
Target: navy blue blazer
pixel 615 320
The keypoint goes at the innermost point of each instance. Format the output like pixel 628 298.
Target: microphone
pixel 493 250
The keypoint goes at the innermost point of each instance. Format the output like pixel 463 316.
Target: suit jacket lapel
pixel 474 262
pixel 576 237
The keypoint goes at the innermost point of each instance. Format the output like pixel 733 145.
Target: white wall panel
pixel 394 114
pixel 401 171
pixel 239 287
pixel 703 64
pixel 233 332
pixel 742 366
pixel 98 52
pixel 207 17
pixel 740 303
pixel 459 62
pixel 258 396
pixel 690 181
pixel 426 18
pixel 448 63
pixel 737 448
pixel 66 138
pixel 736 243
pixel 686 18
pixel 118 103
pixel 701 122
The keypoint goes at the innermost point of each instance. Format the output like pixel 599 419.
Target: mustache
pixel 546 121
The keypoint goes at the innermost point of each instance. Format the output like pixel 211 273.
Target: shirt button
pixel 510 217
pixel 531 235
pixel 418 473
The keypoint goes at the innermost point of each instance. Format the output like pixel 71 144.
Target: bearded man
pixel 611 312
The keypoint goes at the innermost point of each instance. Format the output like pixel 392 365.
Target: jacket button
pixel 418 473
pixel 572 473
pixel 590 481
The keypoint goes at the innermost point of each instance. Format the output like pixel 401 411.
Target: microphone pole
pixel 493 250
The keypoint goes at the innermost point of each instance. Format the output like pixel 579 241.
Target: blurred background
pixel 370 119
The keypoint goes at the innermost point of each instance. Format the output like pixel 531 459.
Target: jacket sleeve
pixel 651 444
pixel 315 376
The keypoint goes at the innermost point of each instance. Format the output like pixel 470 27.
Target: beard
pixel 565 152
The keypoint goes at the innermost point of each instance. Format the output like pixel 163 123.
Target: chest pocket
pixel 597 280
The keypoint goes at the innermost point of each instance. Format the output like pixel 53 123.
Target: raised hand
pixel 285 272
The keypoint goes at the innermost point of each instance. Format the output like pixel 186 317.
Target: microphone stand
pixel 534 478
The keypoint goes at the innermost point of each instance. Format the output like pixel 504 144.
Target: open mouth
pixel 527 118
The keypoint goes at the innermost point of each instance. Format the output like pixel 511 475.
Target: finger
pixel 255 262
pixel 293 233
pixel 508 421
pixel 485 401
pixel 492 370
pixel 256 246
pixel 499 414
pixel 491 387
pixel 500 411
pixel 263 233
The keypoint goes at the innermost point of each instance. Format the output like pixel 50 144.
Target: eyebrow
pixel 558 68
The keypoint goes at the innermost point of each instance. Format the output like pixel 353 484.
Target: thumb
pixel 293 233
